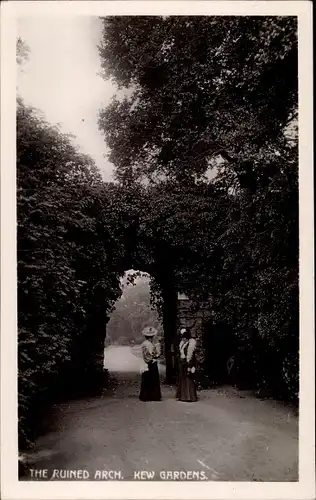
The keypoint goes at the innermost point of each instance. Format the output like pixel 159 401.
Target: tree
pixel 22 52
pixel 205 92
pixel 132 313
pixel 70 259
pixel 191 80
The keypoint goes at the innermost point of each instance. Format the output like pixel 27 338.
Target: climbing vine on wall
pixel 211 129
pixel 216 95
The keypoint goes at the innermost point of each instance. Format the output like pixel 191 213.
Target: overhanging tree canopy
pixel 199 88
pixel 205 91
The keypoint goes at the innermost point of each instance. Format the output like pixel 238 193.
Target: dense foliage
pixel 68 280
pixel 209 123
pixel 200 87
pixel 206 202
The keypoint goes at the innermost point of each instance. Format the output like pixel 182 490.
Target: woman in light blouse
pixel 150 385
pixel 186 390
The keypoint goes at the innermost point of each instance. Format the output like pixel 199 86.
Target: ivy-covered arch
pixel 77 235
pixel 163 291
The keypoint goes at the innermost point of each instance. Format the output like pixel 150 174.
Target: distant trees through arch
pixel 231 237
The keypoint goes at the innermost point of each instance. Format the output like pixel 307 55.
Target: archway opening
pixel 133 311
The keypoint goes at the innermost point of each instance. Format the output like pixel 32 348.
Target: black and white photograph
pixel 159 251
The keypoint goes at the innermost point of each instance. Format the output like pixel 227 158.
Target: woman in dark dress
pixel 186 390
pixel 150 385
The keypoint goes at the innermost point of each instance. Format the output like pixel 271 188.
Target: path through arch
pixel 132 313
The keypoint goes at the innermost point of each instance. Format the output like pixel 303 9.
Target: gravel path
pixel 227 434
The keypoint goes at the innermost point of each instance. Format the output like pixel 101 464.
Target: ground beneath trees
pixel 228 434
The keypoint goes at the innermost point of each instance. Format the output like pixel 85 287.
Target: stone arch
pixel 90 366
pixel 162 271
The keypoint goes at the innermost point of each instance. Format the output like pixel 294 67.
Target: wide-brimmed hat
pixel 149 331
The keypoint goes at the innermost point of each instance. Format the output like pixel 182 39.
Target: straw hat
pixel 149 331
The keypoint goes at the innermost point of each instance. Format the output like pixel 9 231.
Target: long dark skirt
pixel 186 389
pixel 150 386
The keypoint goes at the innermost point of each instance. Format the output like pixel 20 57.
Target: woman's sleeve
pixel 191 349
pixel 157 350
pixel 147 356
